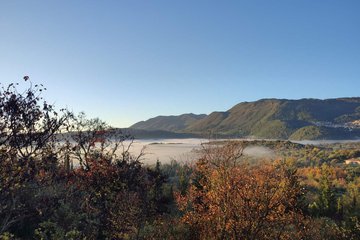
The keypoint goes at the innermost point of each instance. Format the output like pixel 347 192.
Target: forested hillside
pixel 273 118
pixel 169 123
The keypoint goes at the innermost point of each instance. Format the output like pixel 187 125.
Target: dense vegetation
pixel 63 176
pixel 270 118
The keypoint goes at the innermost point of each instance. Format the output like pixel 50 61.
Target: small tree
pixel 94 139
pixel 326 204
pixel 28 131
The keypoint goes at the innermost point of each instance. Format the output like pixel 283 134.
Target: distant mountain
pixel 169 123
pixel 271 118
pixel 154 134
pixel 135 133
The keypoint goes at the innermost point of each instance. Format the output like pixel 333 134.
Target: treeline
pixel 87 185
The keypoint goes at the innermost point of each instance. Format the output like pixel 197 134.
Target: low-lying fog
pixel 165 150
pixel 182 150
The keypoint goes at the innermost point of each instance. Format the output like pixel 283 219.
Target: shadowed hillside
pixel 169 123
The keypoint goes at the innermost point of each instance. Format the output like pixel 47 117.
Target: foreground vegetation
pixel 68 177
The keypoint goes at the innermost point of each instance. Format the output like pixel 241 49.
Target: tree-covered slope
pixel 272 118
pixel 169 123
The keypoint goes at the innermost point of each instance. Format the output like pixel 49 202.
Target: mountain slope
pixel 280 118
pixel 273 118
pixel 169 123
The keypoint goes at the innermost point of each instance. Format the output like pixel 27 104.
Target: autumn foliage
pixel 231 200
pixel 64 176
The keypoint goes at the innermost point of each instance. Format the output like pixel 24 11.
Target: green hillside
pixel 169 123
pixel 271 118
pixel 316 133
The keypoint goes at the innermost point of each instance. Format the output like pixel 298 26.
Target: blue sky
pixel 126 61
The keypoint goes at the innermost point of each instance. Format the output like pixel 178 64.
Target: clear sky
pixel 126 61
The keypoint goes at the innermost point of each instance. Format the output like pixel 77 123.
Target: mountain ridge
pixel 168 123
pixel 298 119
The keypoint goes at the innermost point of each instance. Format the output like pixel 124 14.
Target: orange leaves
pixel 232 200
pixel 99 171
